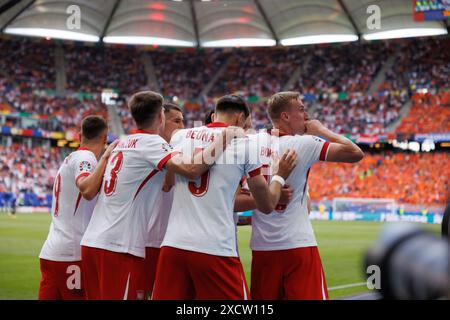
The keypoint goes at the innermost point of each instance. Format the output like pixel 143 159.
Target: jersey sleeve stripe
pixel 78 203
pixel 255 172
pixel 323 153
pixel 164 160
pixel 84 174
pixel 145 182
pixel 306 184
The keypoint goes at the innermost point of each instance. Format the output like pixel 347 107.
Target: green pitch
pixel 341 246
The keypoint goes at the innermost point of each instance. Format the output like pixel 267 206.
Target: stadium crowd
pixel 348 68
pixel 359 114
pixel 337 80
pixel 92 69
pixel 31 67
pixel 61 113
pixel 185 74
pixel 28 172
pixel 429 114
pixel 258 72
pixel 419 64
pixel 334 80
pixel 405 177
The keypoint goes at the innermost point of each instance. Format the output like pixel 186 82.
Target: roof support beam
pixel 350 18
pixel 16 15
pixel 108 22
pixel 266 19
pixel 8 5
pixel 194 22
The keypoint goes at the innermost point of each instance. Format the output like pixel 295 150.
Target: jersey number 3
pixel 116 163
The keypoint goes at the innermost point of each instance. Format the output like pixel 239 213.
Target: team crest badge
pixel 85 166
pixel 166 147
pixel 318 139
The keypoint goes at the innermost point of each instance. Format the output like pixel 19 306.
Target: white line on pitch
pixel 351 285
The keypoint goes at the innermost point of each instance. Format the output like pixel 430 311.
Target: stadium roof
pixel 210 23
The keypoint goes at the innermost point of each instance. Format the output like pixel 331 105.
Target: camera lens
pixel 414 263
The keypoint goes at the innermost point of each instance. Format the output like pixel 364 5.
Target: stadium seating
pixel 405 177
pixel 347 68
pixel 184 74
pixel 65 112
pixel 359 114
pixel 420 64
pixel 335 84
pixel 32 66
pixel 408 178
pixel 29 170
pixel 429 114
pixel 258 72
pixel 92 69
pixel 334 81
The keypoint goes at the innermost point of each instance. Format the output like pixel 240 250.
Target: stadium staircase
pixel 379 79
pixel 114 121
pixel 211 82
pixel 302 67
pixel 60 70
pixel 403 113
pixel 381 76
pixel 152 81
pixel 296 74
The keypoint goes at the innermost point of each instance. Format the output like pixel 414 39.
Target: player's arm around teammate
pixel 245 201
pixel 194 167
pixel 90 185
pixel 72 206
pixel 266 198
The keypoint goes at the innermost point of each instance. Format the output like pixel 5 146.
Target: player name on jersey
pixel 202 215
pixel 289 226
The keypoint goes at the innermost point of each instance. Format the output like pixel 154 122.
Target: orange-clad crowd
pixel 429 114
pixel 406 177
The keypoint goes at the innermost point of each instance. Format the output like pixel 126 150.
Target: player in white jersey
pixel 74 195
pixel 198 258
pixel 113 246
pixel 158 221
pixel 286 262
pixel 244 200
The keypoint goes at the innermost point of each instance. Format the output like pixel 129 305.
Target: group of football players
pixel 154 215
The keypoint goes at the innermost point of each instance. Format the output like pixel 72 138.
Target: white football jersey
pixel 202 218
pixel 160 217
pixel 70 211
pixel 289 226
pixel 132 183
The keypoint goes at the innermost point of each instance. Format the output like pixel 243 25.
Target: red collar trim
pixel 79 149
pixel 217 125
pixel 280 133
pixel 141 131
